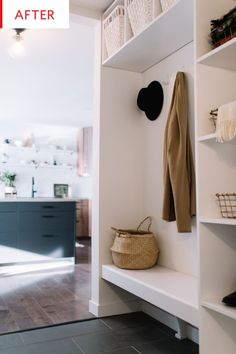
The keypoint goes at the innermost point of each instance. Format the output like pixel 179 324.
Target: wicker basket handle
pixel 119 231
pixel 149 223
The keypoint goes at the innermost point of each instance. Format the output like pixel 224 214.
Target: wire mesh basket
pixel 113 27
pixel 227 204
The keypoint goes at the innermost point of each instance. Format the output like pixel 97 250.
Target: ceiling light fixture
pixel 17 49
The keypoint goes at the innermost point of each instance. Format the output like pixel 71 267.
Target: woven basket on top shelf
pixel 165 4
pixel 227 204
pixel 113 29
pixel 134 249
pixel 140 12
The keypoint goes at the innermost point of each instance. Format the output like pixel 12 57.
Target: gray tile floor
pixel 126 334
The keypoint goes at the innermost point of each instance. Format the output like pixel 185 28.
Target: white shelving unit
pixel 161 287
pixel 215 79
pixel 215 85
pixel 174 292
pixel 150 47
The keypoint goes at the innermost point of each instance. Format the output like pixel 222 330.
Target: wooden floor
pixel 36 299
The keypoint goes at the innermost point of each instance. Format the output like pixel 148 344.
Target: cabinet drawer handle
pixel 50 236
pixel 48 216
pixel 48 206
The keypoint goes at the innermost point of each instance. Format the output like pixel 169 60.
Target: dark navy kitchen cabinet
pixel 37 230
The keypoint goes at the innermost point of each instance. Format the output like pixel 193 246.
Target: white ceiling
pixel 53 82
pixel 98 5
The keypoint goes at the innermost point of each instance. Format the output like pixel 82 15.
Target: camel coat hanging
pixel 179 176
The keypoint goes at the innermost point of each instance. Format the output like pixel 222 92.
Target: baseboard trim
pixel 169 320
pixel 114 308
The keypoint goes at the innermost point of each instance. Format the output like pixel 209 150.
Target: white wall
pixel 178 251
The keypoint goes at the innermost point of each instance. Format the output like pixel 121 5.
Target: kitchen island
pixel 37 229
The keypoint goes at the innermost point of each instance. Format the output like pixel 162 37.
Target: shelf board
pixel 208 138
pixel 36 166
pixel 222 57
pixel 169 32
pixel 174 292
pixel 221 308
pixel 36 149
pixel 220 221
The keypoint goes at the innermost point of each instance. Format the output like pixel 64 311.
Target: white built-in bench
pixel 171 291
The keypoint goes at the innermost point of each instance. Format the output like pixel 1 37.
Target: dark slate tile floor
pixel 125 334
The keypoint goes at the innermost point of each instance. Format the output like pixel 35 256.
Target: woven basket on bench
pixel 134 249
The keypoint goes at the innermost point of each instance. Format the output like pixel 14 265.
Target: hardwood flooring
pixel 42 298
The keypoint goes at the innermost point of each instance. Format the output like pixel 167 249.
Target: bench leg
pixel 182 329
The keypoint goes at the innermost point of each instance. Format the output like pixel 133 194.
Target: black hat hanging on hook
pixel 150 100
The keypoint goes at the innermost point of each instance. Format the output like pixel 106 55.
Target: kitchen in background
pixel 52 154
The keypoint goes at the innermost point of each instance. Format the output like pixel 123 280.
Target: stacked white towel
pixel 226 122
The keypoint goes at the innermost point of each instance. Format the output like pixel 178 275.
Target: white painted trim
pixel 169 320
pixel 114 308
pixel 85 12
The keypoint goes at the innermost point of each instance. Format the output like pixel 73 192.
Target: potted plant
pixel 8 178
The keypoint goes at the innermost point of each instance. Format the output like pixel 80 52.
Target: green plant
pixel 8 178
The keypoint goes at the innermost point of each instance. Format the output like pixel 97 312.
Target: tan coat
pixel 179 176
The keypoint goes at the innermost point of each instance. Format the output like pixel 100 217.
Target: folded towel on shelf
pixel 226 122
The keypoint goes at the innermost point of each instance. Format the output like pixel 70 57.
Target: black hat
pixel 150 100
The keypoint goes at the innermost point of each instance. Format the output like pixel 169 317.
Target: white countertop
pixel 38 199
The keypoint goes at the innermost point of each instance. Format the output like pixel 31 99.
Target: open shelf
pixel 9 165
pixel 221 308
pixel 209 138
pixel 36 149
pixel 221 221
pixel 170 31
pixel 221 57
pixel 174 292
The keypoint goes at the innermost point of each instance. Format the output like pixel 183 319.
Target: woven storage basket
pixel 227 204
pixel 140 13
pixel 165 4
pixel 113 29
pixel 135 249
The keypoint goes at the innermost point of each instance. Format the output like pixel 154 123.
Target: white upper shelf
pixel 170 31
pixel 221 57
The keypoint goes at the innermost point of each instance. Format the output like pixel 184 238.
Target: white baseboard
pixel 114 308
pixel 169 320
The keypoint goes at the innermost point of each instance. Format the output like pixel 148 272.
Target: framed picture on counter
pixel 61 190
